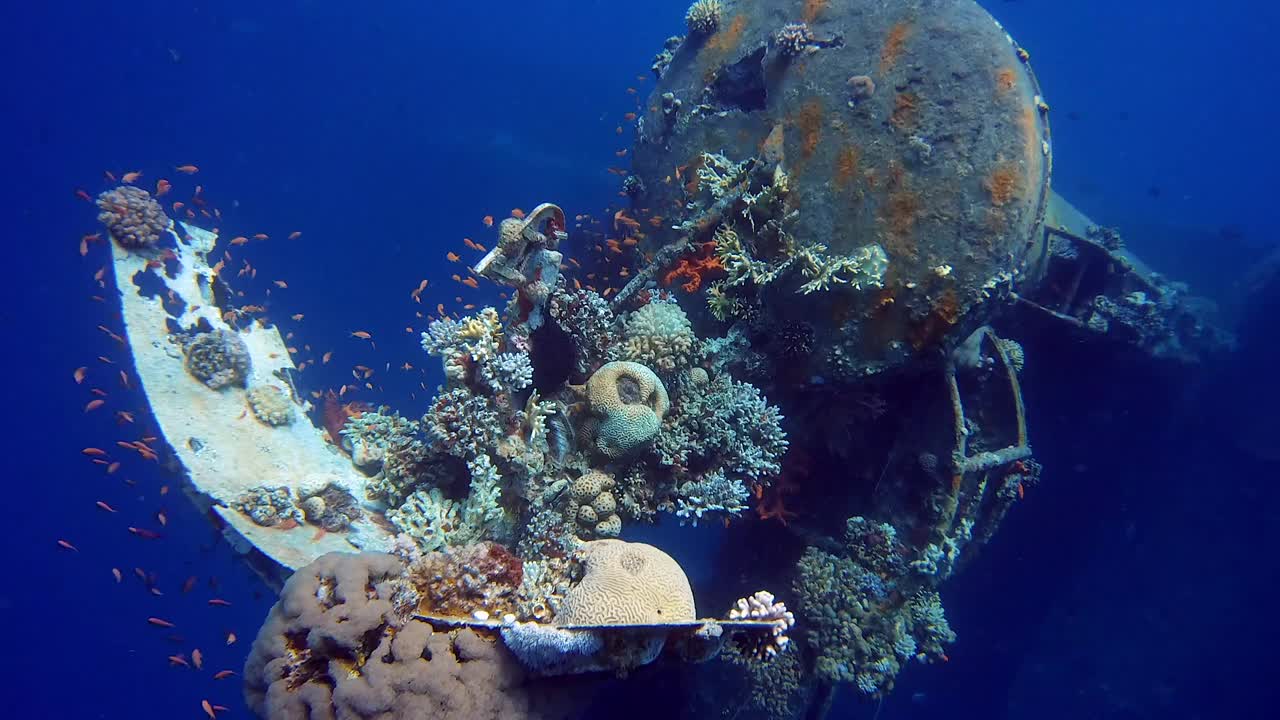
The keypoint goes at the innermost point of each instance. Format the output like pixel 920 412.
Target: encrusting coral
pixel 270 404
pixel 134 218
pixel 217 358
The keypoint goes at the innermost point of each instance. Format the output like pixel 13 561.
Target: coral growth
pixel 134 218
pixel 809 123
pixel 659 336
pixel 270 404
pixel 793 39
pixel 627 584
pixel 332 508
pixel 694 268
pixel 712 493
pixel 703 17
pixel 1002 184
pixel 594 505
pixel 628 402
pixel 217 358
pixel 269 506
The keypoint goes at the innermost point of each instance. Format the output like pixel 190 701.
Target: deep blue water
pixel 1138 582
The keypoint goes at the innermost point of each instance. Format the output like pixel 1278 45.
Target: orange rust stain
pixel 726 40
pixel 906 111
pixel 809 122
pixel 1003 184
pixel 944 314
pixel 812 9
pixel 846 165
pixel 1006 79
pixel 894 43
pixel 899 213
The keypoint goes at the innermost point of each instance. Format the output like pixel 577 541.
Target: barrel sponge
pixel 627 584
pixel 630 402
pixel 217 358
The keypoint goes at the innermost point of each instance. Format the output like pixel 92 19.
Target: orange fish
pixel 295 234
pixel 231 638
pixel 281 284
pixel 178 205
pixel 67 546
pixel 187 169
pixel 453 257
pixel 517 213
pixel 178 660
pixel 324 360
pixel 93 452
pixel 130 178
pixel 115 572
pixel 479 247
pixel 240 240
pixel 487 220
pixel 457 277
pixel 208 710
pixel 162 518
pixel 631 91
pixel 105 506
pixel 618 130
pixel 467 241
pixel 629 117
pixel 298 316
pixel 362 335
pixel 440 309
pixel 112 468
pixel 197 658
pixel 471 283
pixel 83 195
pixel 261 236
pixel 94 404
pixel 223 674
pixel 621 153
pixel 160 622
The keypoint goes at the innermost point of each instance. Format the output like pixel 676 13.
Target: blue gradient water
pixel 1139 582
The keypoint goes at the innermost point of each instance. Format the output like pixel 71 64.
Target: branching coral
pixel 862 270
pixel 132 216
pixel 712 493
pixel 659 336
pixel 703 17
pixel 728 424
pixel 472 352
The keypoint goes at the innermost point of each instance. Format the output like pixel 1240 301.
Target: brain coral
pixel 630 402
pixel 270 404
pixel 218 358
pixel 627 583
pixel 133 217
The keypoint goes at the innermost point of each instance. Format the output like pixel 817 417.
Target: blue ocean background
pixel 1138 581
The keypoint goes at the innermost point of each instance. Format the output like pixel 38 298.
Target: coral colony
pixel 821 257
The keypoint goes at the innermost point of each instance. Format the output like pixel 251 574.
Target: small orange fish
pixel 115 572
pixel 93 452
pixel 362 335
pixel 629 117
pixel 324 360
pixel 223 674
pixel 163 187
pixel 621 153
pixel 470 245
pixel 457 277
pixel 162 518
pixel 178 205
pixel 105 506
pixel 197 658
pixel 130 178
pixel 160 622
pixel 618 130
pixel 231 638
pixel 440 309
pixel 281 284
pixel 298 316
pixel 67 546
pixel 240 240
pixel 187 169
pixel 479 247
pixel 83 195
pixel 261 236
pixel 453 257
pixel 208 710
pixel 176 660
pixel 471 283
pixel 295 234
pixel 487 220
pixel 631 91
pixel 517 213
pixel 94 404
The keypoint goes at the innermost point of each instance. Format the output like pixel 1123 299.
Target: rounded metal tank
pixel 912 127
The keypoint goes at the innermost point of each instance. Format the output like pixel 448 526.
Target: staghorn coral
pixel 134 218
pixel 703 17
pixel 712 493
pixel 627 584
pixel 217 358
pixel 628 402
pixel 659 336
pixel 270 404
pixel 863 269
pixel 471 349
pixel 337 644
pixel 436 521
pixel 726 424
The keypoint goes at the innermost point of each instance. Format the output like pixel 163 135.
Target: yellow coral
pixel 484 324
pixel 630 402
pixel 627 584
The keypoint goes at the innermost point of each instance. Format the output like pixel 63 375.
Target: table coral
pixel 627 583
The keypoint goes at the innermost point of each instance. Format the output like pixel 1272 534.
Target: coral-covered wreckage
pixel 856 215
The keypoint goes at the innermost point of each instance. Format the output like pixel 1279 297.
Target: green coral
pixel 628 401
pixel 659 336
